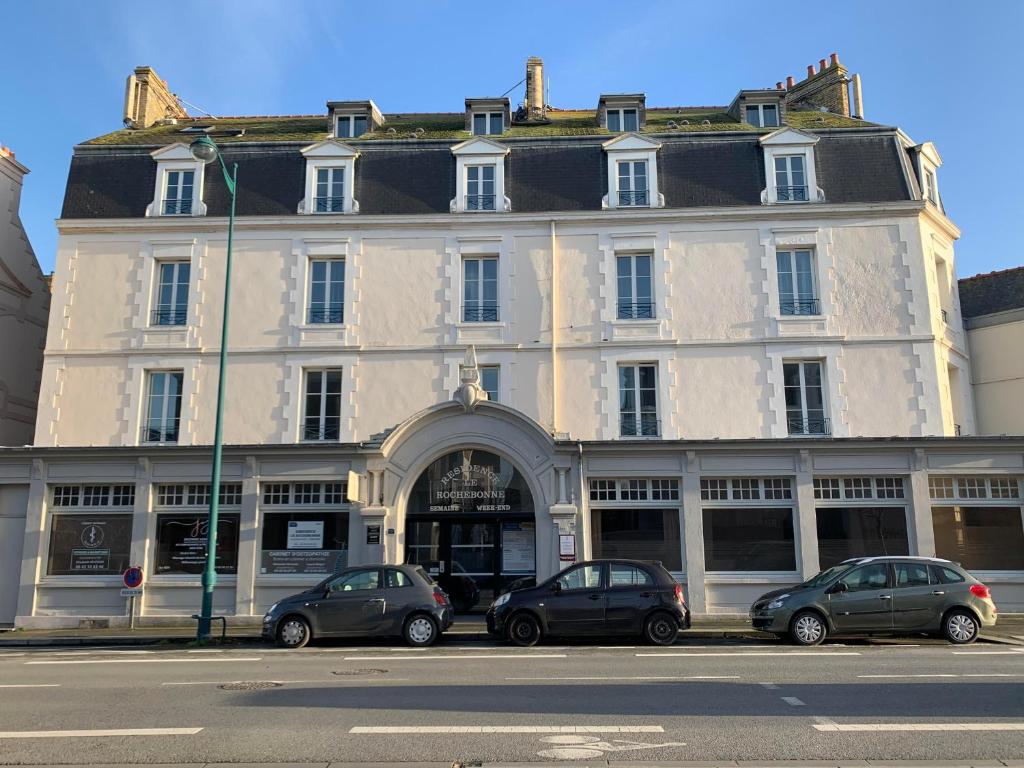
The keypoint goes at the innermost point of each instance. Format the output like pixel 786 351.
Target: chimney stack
pixel 821 65
pixel 536 109
pixel 778 86
pixel 810 70
pixel 834 59
pixel 827 88
pixel 858 99
pixel 148 100
pixel 790 82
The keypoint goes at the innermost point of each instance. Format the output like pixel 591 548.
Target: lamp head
pixel 204 150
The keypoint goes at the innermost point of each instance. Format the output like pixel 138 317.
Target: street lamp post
pixel 205 150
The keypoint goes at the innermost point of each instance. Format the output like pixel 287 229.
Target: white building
pixel 707 338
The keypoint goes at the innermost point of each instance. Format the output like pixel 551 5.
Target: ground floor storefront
pixel 485 500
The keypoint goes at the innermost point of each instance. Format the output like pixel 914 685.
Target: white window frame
pixel 630 147
pixel 789 142
pixel 350 118
pixel 928 162
pixel 474 186
pixel 333 172
pixel 496 367
pixel 632 257
pixel 163 421
pixel 332 264
pixel 636 366
pixel 488 115
pixel 798 298
pixel 176 157
pixel 155 306
pixel 321 415
pixel 822 366
pixel 479 151
pixel 481 258
pixel 337 156
pixel 621 112
pixel 760 107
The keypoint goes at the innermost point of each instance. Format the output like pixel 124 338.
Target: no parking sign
pixel 132 579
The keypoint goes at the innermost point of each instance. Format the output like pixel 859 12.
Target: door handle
pixel 375 600
pixel 646 594
pixel 885 597
pixel 938 592
pixel 596 597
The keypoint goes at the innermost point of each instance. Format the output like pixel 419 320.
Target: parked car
pixel 363 601
pixel 879 595
pixel 595 598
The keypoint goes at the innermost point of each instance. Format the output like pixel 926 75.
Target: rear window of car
pixel 629 576
pixel 911 575
pixel 944 575
pixel 423 575
pixel 398 579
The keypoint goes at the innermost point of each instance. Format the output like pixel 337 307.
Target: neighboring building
pixel 723 338
pixel 992 306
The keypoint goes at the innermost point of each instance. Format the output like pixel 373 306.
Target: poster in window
pixel 181 543
pixel 300 543
pixel 84 545
pixel 305 534
pixel 517 547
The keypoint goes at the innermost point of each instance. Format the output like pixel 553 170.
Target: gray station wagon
pixel 879 595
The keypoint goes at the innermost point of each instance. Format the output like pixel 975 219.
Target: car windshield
pixel 827 575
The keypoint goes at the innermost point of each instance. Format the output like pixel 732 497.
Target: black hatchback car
pixel 363 601
pixel 595 598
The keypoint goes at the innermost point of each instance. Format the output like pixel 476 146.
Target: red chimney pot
pixel 790 82
pixel 778 86
pixel 835 59
pixel 810 70
pixel 821 65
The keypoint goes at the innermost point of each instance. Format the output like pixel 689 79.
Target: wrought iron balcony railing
pixel 791 194
pixel 639 425
pixel 480 313
pixel 803 307
pixel 801 426
pixel 635 311
pixel 634 198
pixel 176 207
pixel 159 434
pixel 326 315
pixel 167 316
pixel 479 202
pixel 314 430
pixel 328 205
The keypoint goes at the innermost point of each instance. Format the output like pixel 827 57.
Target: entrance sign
pixel 373 534
pixel 567 547
pixel 305 534
pixel 517 551
pixel 132 577
pixel 471 482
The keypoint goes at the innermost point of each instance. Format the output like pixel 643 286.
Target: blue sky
pixel 943 71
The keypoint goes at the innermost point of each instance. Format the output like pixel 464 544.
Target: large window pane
pixel 181 543
pixel 304 542
pixel 89 545
pixel 980 538
pixel 638 534
pixel 749 539
pixel 860 532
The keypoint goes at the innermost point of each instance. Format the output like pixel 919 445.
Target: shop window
pixel 745 488
pixel 980 538
pixel 304 542
pixel 89 544
pixel 845 532
pixel 749 539
pixel 637 534
pixel 181 544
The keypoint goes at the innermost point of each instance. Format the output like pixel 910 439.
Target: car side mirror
pixel 556 587
pixel 838 588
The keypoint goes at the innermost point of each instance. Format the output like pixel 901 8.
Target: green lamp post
pixel 205 150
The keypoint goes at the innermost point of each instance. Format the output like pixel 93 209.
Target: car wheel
pixel 420 630
pixel 660 629
pixel 960 627
pixel 524 630
pixel 808 628
pixel 293 632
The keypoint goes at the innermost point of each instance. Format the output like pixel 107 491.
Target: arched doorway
pixel 470 523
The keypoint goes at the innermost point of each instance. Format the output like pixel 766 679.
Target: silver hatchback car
pixel 879 595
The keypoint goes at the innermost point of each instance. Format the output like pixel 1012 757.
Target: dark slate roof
pixel 992 292
pixel 561 174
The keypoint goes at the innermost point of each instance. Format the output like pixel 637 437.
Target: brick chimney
pixel 828 88
pixel 148 100
pixel 536 109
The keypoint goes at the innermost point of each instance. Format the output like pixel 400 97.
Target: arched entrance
pixel 470 522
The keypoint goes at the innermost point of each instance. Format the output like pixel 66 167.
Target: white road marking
pixel 769 686
pixel 31 685
pixel 636 677
pixel 793 701
pixel 885 677
pixel 989 653
pixel 973 674
pixel 147 661
pixel 752 653
pixel 340 680
pixel 101 732
pixel 876 727
pixel 393 729
pixel 459 657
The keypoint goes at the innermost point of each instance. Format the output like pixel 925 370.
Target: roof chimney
pixel 148 100
pixel 535 107
pixel 834 59
pixel 821 65
pixel 790 82
pixel 858 99
pixel 778 86
pixel 810 70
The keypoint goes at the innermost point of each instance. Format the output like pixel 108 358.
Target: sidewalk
pixel 1009 631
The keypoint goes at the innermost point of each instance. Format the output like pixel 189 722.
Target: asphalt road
pixel 699 700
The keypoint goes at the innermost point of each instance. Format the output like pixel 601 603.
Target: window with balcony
pixel 480 290
pixel 638 400
pixel 179 187
pixel 480 188
pixel 790 179
pixel 350 126
pixel 163 407
pixel 805 403
pixel 171 305
pixel 326 291
pixel 632 188
pixel 330 190
pixel 623 120
pixel 330 178
pixel 322 409
pixel 490 381
pixel 797 291
pixel 763 115
pixel 488 123
pixel 635 286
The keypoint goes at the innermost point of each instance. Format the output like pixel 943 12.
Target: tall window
pixel 480 290
pixel 805 404
pixel 930 190
pixel 178 193
pixel 480 188
pixel 763 115
pixel 633 183
pixel 488 123
pixel 171 293
pixel 350 126
pixel 635 286
pixel 163 407
pixel 490 381
pixel 330 191
pixel 790 179
pixel 322 419
pixel 638 401
pixel 797 295
pixel 622 120
pixel 326 291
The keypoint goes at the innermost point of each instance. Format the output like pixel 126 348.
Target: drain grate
pixel 255 685
pixel 358 672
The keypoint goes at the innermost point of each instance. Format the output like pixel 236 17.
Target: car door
pixel 354 604
pixel 917 602
pixel 401 597
pixel 631 594
pixel 866 604
pixel 578 606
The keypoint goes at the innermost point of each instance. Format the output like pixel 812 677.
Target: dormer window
pixel 632 173
pixel 480 187
pixel 330 190
pixel 480 177
pixel 351 119
pixel 178 190
pixel 928 163
pixel 790 179
pixel 632 189
pixel 621 112
pixel 789 168
pixel 488 117
pixel 330 178
pixel 349 126
pixel 488 123
pixel 762 115
pixel 623 120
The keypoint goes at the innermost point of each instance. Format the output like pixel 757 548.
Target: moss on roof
pixel 451 126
